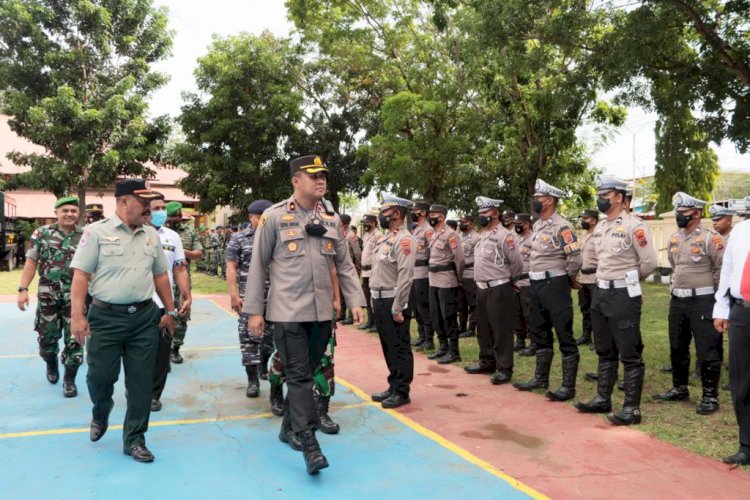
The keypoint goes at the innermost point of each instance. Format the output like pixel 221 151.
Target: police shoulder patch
pixel 640 237
pixel 453 241
pixel 262 222
pixel 406 246
pixel 510 242
pixel 718 242
pixel 567 235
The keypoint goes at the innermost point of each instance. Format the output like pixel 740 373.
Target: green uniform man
pixel 52 249
pixel 120 262
pixel 193 251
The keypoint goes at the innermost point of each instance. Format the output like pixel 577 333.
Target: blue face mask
pixel 158 218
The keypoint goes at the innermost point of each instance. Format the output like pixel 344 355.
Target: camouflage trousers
pixel 255 350
pixel 52 323
pixel 220 263
pixel 324 383
pixel 180 322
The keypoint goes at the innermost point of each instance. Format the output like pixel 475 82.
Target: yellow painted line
pixel 451 446
pixel 229 311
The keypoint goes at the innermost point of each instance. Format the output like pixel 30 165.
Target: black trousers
pixel 496 313
pixel 301 347
pixel 467 305
pixel 421 304
pixel 443 308
pixel 616 320
pixel 739 370
pixel 692 317
pixel 524 311
pixel 395 341
pixel 552 307
pixel 585 295
pixel 162 366
pixel 368 298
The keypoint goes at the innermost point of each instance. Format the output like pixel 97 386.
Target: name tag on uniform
pixel 168 248
pixel 110 240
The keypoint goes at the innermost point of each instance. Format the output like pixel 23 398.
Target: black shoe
pixel 253 384
pixel 395 400
pixel 597 405
pixel 528 352
pixel 372 329
pixel 425 346
pixel 500 378
pixel 567 391
pixel 287 436
pixel 439 353
pixel 480 367
pixel 673 394
pixel 666 369
pixel 583 341
pixel 140 453
pixel 707 406
pixel 277 400
pixel 467 334
pixel 541 372
pixel 97 430
pixel 69 382
pixel 591 377
pixel 532 384
pixel 450 357
pixel 53 371
pixel 416 342
pixel 263 371
pixel 174 355
pixel 325 424
pixel 739 458
pixel 348 321
pixel 155 405
pixel 379 397
pixel 627 416
pixel 314 458
pixel 520 344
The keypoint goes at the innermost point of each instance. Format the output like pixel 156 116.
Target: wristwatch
pixel 23 289
pixel 172 313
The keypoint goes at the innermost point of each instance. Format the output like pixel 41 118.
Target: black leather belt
pixel 421 263
pixel 591 270
pixel 122 308
pixel 740 302
pixel 469 265
pixel 441 268
pixel 367 268
pixel 524 276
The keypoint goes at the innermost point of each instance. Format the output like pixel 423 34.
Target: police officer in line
pixel 732 315
pixel 370 241
pixel 626 256
pixel 497 264
pixel 193 249
pixel 94 212
pixel 255 351
pixel 467 294
pixel 522 229
pixel 52 248
pixel 507 219
pixel 445 266
pixel 421 287
pixel 177 271
pixel 722 220
pixel 452 224
pixel 553 267
pixel 391 282
pixel 695 254
pixel 120 262
pixel 587 278
pixel 355 253
pixel 297 243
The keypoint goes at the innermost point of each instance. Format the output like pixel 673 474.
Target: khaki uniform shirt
pixel 299 266
pixel 370 241
pixel 469 240
pixel 355 252
pixel 589 260
pixel 393 266
pixel 497 256
pixel 554 246
pixel 696 258
pixel 122 263
pixel 445 249
pixel 623 245
pixel 524 247
pixel 423 234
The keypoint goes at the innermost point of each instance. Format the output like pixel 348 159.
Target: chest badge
pixel 292 246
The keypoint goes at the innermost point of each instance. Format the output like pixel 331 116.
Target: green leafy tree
pixel 76 77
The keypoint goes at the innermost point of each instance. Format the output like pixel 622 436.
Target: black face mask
pixel 536 206
pixel 434 221
pixel 585 225
pixel 315 228
pixel 603 205
pixel 484 220
pixel 683 220
pixel 367 228
pixel 384 221
pixel 519 229
pixel 416 215
pixel 463 227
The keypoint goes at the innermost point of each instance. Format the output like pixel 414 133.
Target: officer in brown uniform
pixel 296 243
pixel 446 265
pixel 587 278
pixel 467 295
pixel 626 256
pixel 355 253
pixel 391 282
pixel 554 264
pixel 421 287
pixel 370 240
pixel 722 219
pixel 522 228
pixel 695 254
pixel 497 264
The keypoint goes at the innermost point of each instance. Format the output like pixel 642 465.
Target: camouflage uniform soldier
pixel 52 249
pixel 218 244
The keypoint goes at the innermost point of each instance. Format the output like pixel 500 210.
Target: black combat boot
pixel 285 434
pixel 174 355
pixel 53 371
pixel 605 383
pixel 710 401
pixel 314 458
pixel 569 374
pixel 520 343
pixel 529 351
pixel 631 409
pixel 253 384
pixel 541 373
pixel 69 382
pixel 469 332
pixel 585 339
pixel 325 424
pixel 276 396
pixel 442 350
pixel 452 355
pixel 680 373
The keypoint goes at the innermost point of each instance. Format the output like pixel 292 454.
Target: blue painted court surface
pixel 210 441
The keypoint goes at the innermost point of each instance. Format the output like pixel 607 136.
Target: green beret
pixel 202 228
pixel 173 207
pixel 68 200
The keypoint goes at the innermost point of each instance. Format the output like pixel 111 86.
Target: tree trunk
pixel 81 191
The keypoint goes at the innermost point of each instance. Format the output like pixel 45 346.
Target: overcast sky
pixel 195 21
